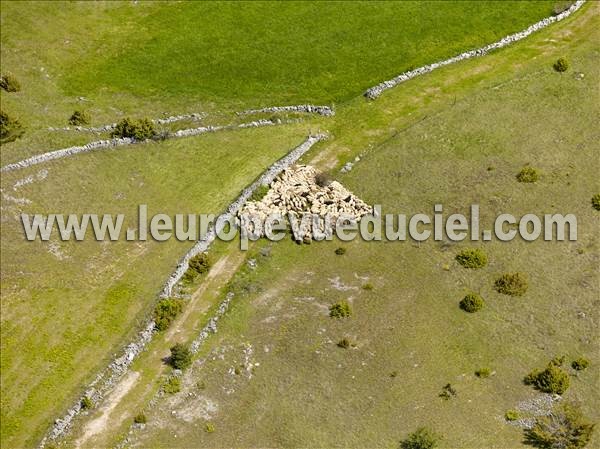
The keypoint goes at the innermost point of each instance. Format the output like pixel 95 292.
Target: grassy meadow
pixel 68 307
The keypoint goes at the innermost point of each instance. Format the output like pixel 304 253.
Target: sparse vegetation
pixel 512 415
pixel 172 385
pixel 340 309
pixel 580 364
pixel 166 311
pixel 564 428
pixel 472 303
pixel 512 284
pixel 10 128
pixel 79 118
pixel 561 65
pixel 448 392
pixel 340 251
pixel 483 373
pixel 9 83
pixel 181 357
pixel 561 6
pixel 344 343
pixel 368 286
pixel 259 193
pixel 422 438
pixel 140 418
pixel 209 428
pixel 141 129
pixel 551 380
pixel 528 174
pixel 472 258
pixel 596 201
pixel 86 403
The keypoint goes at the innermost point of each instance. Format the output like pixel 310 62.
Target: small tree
pixel 136 129
pixel 199 264
pixel 561 65
pixel 166 311
pixel 79 118
pixel 563 428
pixel 512 284
pixel 10 128
pixel 181 357
pixel 422 438
pixel 340 309
pixel 551 380
pixel 472 303
pixel 472 258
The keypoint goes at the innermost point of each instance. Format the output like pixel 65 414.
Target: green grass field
pixel 68 307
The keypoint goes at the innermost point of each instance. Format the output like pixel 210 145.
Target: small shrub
pixel 422 438
pixel 86 403
pixel 551 380
pixel 561 65
pixel 340 309
pixel 512 284
pixel 472 303
pixel 172 385
pixel 344 343
pixel 199 264
pixel 136 129
pixel 596 201
pixel 512 415
pixel 528 174
pixel 166 311
pixel 9 83
pixel 10 128
pixel 140 418
pixel 340 251
pixel 472 258
pixel 580 364
pixel 448 391
pixel 368 286
pixel 79 118
pixel 181 357
pixel 260 192
pixel 565 428
pixel 483 372
pixel 322 179
pixel 209 428
pixel 394 374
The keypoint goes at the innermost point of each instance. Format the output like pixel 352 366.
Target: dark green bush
pixel 340 309
pixel 9 83
pixel 172 385
pixel 472 258
pixel 564 428
pixel 580 364
pixel 181 357
pixel 166 311
pixel 528 174
pixel 86 403
pixel 260 192
pixel 472 303
pixel 79 118
pixel 199 264
pixel 512 415
pixel 10 128
pixel 422 438
pixel 483 372
pixel 340 251
pixel 551 380
pixel 512 284
pixel 140 418
pixel 141 129
pixel 561 65
pixel 596 201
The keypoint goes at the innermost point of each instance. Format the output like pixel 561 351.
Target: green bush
pixel 79 118
pixel 422 438
pixel 580 364
pixel 561 65
pixel 512 415
pixel 528 174
pixel 472 258
pixel 172 385
pixel 565 428
pixel 199 264
pixel 141 129
pixel 512 284
pixel 181 357
pixel 340 309
pixel 166 311
pixel 483 372
pixel 260 192
pixel 551 380
pixel 472 303
pixel 9 83
pixel 596 201
pixel 86 403
pixel 340 251
pixel 10 128
pixel 140 418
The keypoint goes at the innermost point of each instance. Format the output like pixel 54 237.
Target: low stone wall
pixel 105 381
pixel 159 121
pixel 376 91
pixel 304 108
pixel 112 143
